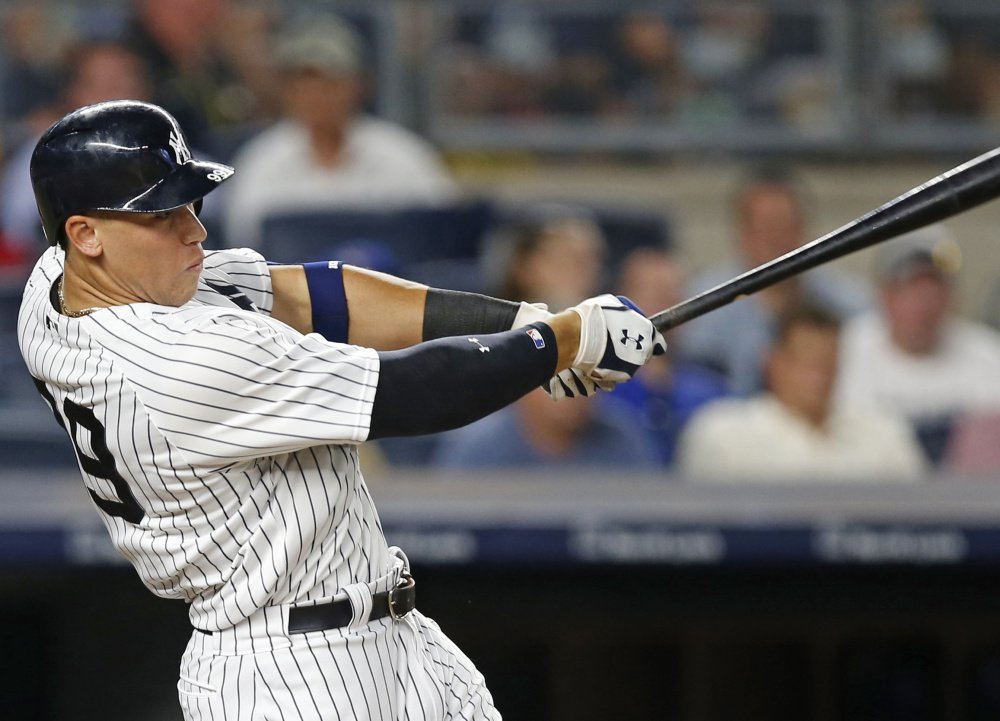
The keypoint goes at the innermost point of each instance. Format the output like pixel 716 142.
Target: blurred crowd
pixel 713 64
pixel 822 377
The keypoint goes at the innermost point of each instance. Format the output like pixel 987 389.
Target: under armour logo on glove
pixel 616 339
pixel 626 339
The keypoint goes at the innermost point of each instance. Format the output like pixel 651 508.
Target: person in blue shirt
pixel 667 392
pixel 538 432
pixel 770 214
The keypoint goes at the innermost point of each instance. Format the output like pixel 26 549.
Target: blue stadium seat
pixel 438 246
pixel 624 229
pixel 413 236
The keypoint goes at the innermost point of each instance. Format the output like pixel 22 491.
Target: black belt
pixel 336 614
pixel 395 603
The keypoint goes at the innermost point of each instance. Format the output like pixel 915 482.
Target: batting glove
pixel 568 383
pixel 616 339
pixel 530 313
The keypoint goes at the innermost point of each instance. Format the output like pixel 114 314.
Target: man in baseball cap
pixel 326 154
pixel 915 354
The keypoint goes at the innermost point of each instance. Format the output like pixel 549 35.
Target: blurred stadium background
pixel 581 593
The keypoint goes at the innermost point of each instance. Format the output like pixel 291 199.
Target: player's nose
pixel 194 231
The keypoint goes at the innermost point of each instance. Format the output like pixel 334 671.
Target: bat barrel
pixel 961 188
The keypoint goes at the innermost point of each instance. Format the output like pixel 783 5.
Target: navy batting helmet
pixel 120 155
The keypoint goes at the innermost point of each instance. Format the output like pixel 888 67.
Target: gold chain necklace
pixel 62 303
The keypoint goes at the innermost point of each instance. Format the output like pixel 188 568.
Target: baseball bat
pixel 955 191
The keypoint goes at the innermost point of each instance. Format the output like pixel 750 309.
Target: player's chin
pixel 184 291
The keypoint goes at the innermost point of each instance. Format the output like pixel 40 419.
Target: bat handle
pixel 667 319
pixel 683 312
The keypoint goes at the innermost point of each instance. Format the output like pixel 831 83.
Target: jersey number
pixel 101 466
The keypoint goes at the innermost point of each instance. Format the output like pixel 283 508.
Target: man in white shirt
pixel 324 154
pixel 914 355
pixel 794 432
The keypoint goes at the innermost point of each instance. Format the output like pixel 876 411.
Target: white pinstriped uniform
pixel 220 446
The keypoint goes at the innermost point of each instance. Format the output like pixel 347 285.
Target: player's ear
pixel 81 233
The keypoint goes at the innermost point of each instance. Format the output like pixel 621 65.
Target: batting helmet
pixel 120 155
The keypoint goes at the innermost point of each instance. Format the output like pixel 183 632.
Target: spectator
pixel 667 391
pixel 914 355
pixel 548 253
pixel 323 155
pixel 974 78
pixel 581 86
pixel 179 42
pixel 520 50
pixel 725 42
pixel 917 55
pixel 535 431
pixel 648 70
pixel 794 432
pixel 770 218
pixel 29 58
pixel 98 71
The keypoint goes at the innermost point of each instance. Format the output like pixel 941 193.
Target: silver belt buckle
pixel 405 582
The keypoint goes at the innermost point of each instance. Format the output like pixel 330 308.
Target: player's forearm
pixel 389 313
pixel 375 310
pixel 386 313
pixel 449 382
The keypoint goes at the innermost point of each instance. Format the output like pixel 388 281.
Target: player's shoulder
pixel 196 332
pixel 235 259
pixel 194 317
pixel 47 268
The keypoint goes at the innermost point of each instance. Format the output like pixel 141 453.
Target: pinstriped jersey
pixel 218 443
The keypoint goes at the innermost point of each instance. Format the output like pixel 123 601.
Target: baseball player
pixel 216 402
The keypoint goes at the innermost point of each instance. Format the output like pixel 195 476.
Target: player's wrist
pixel 567 327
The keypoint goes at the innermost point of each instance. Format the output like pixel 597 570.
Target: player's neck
pixel 80 291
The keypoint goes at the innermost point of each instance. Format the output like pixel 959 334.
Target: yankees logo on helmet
pixel 626 339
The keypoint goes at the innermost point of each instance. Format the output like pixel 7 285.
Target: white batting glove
pixel 530 313
pixel 616 339
pixel 570 383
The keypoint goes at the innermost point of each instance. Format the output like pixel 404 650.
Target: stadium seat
pixel 418 243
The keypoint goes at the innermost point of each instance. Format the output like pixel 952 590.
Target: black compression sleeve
pixel 452 312
pixel 449 382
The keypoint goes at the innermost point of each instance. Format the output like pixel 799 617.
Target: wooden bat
pixel 955 191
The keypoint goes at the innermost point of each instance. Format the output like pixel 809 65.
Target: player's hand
pixel 616 339
pixel 572 382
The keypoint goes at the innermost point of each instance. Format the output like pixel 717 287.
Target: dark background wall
pixel 833 643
